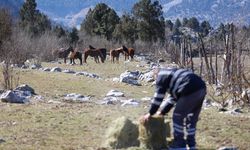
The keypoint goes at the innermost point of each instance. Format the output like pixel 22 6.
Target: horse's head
pixel 70 49
pixel 91 47
pixel 125 49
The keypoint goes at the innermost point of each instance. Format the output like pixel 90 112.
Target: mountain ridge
pixel 72 12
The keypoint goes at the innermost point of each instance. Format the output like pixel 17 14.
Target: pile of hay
pixel 122 133
pixel 153 134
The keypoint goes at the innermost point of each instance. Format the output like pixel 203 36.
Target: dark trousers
pixel 185 117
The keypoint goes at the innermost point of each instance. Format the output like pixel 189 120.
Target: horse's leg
pixel 80 58
pixel 96 60
pixel 132 57
pixel 85 58
pixel 111 58
pixel 65 60
pixel 117 59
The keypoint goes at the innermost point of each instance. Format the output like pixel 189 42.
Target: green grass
pixel 43 125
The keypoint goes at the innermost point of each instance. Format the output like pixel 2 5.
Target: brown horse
pixel 96 53
pixel 129 52
pixel 75 55
pixel 62 53
pixel 115 53
pixel 103 51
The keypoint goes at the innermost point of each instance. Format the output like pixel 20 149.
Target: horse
pixel 96 53
pixel 128 52
pixel 62 53
pixel 75 55
pixel 114 54
pixel 103 51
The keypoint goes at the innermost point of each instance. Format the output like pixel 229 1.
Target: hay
pixel 153 134
pixel 122 133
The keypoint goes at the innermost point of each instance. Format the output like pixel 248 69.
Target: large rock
pixel 130 77
pixel 131 102
pixel 2 141
pixel 148 76
pixel 109 100
pixel 115 93
pixel 56 69
pixel 14 97
pixel 68 71
pixel 91 75
pixel 76 97
pixel 35 66
pixel 25 87
pixel 46 69
pixel 228 148
pixel 122 133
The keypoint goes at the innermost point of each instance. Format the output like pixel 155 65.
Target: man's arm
pixel 171 101
pixel 158 96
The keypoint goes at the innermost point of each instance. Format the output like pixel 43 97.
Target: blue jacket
pixel 177 82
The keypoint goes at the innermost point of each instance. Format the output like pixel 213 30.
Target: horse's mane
pixel 118 49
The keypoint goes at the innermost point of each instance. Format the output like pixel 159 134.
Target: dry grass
pixel 43 125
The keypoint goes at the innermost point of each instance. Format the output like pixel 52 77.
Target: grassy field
pixel 66 125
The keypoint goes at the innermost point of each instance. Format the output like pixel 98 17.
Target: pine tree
pixel 184 22
pixel 177 23
pixel 126 29
pixel 32 20
pixel 5 25
pixel 169 24
pixel 100 21
pixel 74 36
pixel 151 24
pixel 59 31
pixel 193 23
pixel 205 28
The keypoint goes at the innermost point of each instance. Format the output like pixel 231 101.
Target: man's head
pixel 155 72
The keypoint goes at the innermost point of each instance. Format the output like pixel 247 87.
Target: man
pixel 187 92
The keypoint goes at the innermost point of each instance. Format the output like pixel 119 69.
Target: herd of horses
pixel 99 54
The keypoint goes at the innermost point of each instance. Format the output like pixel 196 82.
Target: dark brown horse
pixel 115 53
pixel 96 53
pixel 68 53
pixel 129 52
pixel 103 51
pixel 75 55
pixel 62 53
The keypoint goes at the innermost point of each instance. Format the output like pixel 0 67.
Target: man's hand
pixel 159 114
pixel 145 118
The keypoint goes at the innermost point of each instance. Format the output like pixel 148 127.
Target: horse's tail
pixel 102 56
pixel 132 53
pixel 79 56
